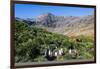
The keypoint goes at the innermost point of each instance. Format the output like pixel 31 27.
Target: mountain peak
pixel 46 15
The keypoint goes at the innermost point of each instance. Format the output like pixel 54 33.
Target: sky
pixel 31 11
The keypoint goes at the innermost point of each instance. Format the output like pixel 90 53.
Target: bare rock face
pixel 46 20
pixel 67 25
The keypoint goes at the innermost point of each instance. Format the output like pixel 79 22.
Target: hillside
pixel 31 44
pixel 67 25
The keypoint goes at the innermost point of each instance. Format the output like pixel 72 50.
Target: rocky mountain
pixel 67 25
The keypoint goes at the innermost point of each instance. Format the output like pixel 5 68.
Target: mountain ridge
pixel 67 25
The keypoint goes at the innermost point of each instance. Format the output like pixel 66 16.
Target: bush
pixel 31 43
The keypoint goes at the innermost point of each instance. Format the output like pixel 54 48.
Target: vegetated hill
pixel 31 44
pixel 67 25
